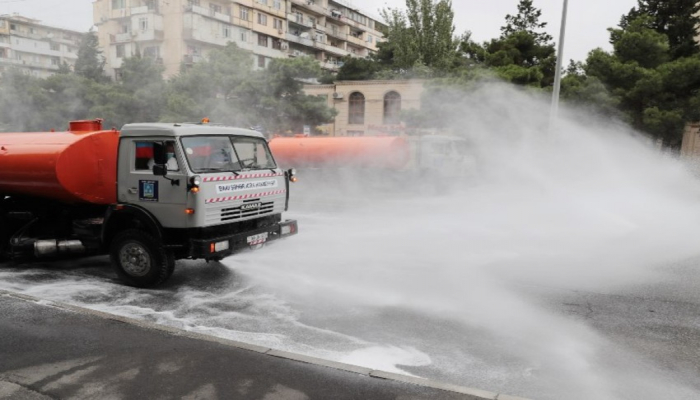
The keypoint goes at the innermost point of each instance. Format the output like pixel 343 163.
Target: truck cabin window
pixel 223 153
pixel 149 153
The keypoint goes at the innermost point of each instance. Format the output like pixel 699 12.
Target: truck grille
pixel 235 213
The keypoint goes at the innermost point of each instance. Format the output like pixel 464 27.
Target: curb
pixel 472 394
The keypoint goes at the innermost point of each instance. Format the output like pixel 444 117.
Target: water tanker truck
pixel 434 155
pixel 147 195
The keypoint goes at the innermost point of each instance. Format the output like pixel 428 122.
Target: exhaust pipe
pixel 48 248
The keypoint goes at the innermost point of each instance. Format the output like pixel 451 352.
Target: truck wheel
pixel 139 259
pixel 4 235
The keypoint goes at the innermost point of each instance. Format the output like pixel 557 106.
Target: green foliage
pixel 656 92
pixel 678 20
pixel 423 34
pixel 90 63
pixel 522 55
pixel 358 69
pixel 526 20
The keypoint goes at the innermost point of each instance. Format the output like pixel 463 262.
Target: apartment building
pixel 36 49
pixel 182 32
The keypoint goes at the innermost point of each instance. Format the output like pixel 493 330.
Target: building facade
pixel 368 108
pixel 182 32
pixel 34 48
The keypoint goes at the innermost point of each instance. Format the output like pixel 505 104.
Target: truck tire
pixel 4 235
pixel 139 260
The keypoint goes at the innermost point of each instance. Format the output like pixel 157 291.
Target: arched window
pixel 392 108
pixel 357 109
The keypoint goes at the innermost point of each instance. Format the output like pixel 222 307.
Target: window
pixel 13 27
pixel 264 2
pixel 55 46
pixel 392 108
pixel 125 28
pixel 3 53
pixel 262 40
pixel 276 44
pixel 244 36
pixel 2 24
pixel 245 14
pixel 262 19
pixel 145 151
pixel 369 39
pixel 207 154
pixel 120 50
pixel 151 52
pixel 357 108
pixel 143 24
pixel 226 31
pixel 277 23
pixel 55 61
pixel 193 2
pixel 277 4
pixel 261 61
pixel 118 4
pixel 215 8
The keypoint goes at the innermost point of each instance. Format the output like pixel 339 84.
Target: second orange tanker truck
pixel 146 195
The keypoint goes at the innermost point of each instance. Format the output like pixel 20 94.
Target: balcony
pixel 336 50
pixel 358 41
pixel 120 38
pixel 208 13
pixel 149 35
pixel 337 16
pixel 310 5
pixel 142 10
pixel 337 34
pixel 301 40
pixel 300 20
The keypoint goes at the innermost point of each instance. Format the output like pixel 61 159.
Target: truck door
pixel 164 197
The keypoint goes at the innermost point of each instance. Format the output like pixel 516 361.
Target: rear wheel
pixel 4 235
pixel 139 259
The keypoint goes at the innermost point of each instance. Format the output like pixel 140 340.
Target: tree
pixel 90 63
pixel 422 34
pixel 522 55
pixel 277 97
pixel 138 96
pixel 526 20
pixel 678 20
pixel 211 88
pixel 657 92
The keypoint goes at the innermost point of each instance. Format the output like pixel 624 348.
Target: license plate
pixel 257 239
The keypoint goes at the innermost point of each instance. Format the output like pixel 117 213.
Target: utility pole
pixel 554 113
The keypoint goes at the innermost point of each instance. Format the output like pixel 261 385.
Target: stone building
pixel 368 108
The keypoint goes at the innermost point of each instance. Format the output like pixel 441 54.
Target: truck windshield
pixel 223 153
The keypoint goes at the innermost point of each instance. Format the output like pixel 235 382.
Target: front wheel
pixel 139 260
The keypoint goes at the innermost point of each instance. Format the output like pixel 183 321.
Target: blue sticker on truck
pixel 148 191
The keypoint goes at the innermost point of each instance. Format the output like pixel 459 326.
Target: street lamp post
pixel 557 74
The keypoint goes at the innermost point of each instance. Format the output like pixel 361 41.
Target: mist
pixel 585 206
pixel 481 279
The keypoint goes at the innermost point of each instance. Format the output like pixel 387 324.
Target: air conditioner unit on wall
pixel 337 95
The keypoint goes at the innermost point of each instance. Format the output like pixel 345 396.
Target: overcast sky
pixel 586 27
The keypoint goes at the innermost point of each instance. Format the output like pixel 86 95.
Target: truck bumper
pixel 224 246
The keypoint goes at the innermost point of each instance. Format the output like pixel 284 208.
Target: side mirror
pixel 160 170
pixel 159 153
pixel 292 175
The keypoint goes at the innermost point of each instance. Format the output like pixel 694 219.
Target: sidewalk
pixel 57 351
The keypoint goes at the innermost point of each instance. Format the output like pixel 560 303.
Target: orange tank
pixel 77 166
pixel 365 151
